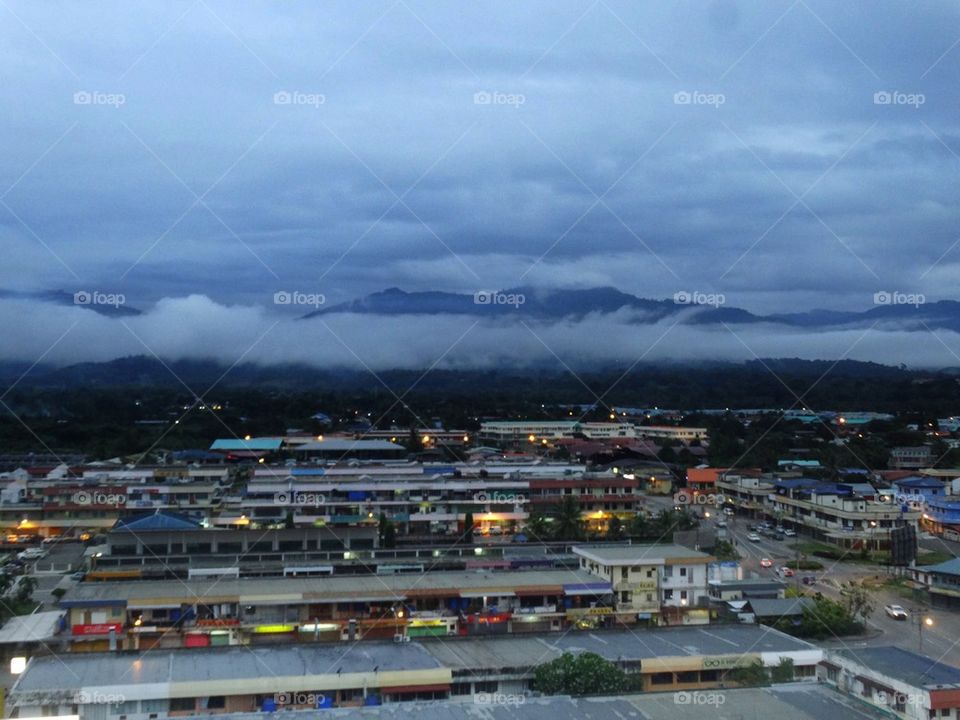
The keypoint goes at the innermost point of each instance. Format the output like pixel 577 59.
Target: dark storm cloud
pixel 791 188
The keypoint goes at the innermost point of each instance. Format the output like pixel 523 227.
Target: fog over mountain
pixel 393 329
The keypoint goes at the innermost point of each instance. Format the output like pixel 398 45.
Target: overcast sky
pixel 790 155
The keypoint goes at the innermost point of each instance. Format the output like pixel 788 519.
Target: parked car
pixel 32 554
pixel 790 533
pixel 753 537
pixel 896 612
pixel 766 562
pixel 780 528
pixel 778 536
pixel 721 523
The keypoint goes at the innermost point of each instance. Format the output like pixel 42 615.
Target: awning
pixel 412 689
pixel 487 593
pixel 588 589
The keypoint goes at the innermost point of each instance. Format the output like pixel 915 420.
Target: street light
pixel 925 621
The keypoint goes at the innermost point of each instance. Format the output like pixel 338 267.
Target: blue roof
pixel 910 667
pixel 800 463
pixel 188 455
pixel 794 483
pixel 949 567
pixel 156 521
pixel 918 482
pixel 252 444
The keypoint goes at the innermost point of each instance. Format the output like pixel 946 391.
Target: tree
pixel 858 603
pixel 569 523
pixel 538 527
pixel 581 674
pixel 615 528
pixel 752 675
pixel 783 672
pixel 468 523
pixel 825 619
pixel 25 588
pixel 726 550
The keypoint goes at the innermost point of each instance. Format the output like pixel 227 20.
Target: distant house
pixel 907 458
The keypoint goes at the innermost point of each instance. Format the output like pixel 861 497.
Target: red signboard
pixel 100 629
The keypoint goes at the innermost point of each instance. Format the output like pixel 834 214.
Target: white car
pixel 896 612
pixel 753 537
pixel 32 554
pixel 790 533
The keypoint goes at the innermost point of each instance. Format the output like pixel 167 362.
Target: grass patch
pixel 933 557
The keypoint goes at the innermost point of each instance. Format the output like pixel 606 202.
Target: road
pixel 941 640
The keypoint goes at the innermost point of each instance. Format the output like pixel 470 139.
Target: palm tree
pixel 537 527
pixel 569 522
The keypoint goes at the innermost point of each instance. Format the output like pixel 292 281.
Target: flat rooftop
pixel 642 644
pixel 340 588
pixel 910 667
pixel 802 701
pixel 70 672
pixel 638 554
pixel 242 664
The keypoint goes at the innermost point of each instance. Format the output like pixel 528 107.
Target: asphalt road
pixel 941 640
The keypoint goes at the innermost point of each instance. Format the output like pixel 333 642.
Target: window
pixel 460 689
pixel 624 573
pixel 683 572
pixel 183 704
pixel 216 702
pixel 668 594
pixel 486 687
pixel 664 678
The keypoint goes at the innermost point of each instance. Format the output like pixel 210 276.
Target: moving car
pixel 766 562
pixel 753 537
pixel 809 579
pixel 721 523
pixel 896 612
pixel 786 572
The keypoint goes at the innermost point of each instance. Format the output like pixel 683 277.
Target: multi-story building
pixel 911 458
pixel 672 432
pixel 846 514
pixel 657 583
pixel 228 610
pixel 521 433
